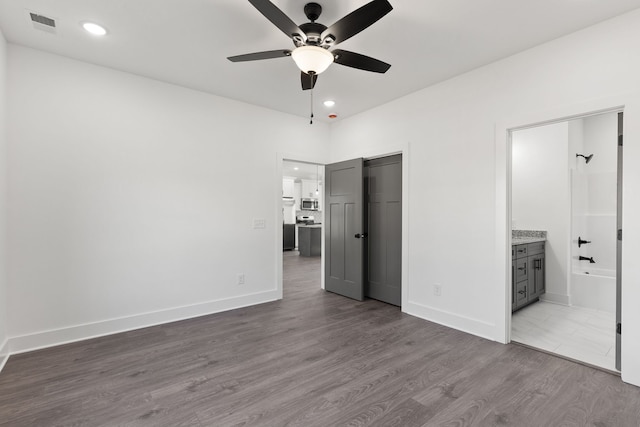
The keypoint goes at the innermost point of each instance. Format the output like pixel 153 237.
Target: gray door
pixel 619 251
pixel 344 229
pixel 383 205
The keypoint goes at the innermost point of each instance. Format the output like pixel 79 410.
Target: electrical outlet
pixel 437 289
pixel 241 279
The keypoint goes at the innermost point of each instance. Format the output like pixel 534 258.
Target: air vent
pixel 40 19
pixel 42 23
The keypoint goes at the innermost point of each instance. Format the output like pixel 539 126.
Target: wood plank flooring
pixel 312 359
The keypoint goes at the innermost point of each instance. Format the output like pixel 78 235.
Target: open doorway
pixel 302 214
pixel 565 216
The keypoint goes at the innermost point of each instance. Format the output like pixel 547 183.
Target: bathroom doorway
pixel 565 216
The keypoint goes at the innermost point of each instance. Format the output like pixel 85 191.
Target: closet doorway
pixel 363 235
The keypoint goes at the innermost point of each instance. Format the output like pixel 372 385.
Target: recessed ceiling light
pixel 94 29
pixel 296 168
pixel 329 103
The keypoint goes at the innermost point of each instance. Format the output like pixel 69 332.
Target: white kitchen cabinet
pixel 297 194
pixel 309 189
pixel 287 187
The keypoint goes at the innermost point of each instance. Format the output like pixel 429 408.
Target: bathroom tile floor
pixel 578 333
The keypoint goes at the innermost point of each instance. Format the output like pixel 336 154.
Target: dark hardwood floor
pixel 312 359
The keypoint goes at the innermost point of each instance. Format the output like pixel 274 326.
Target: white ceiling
pixel 186 42
pixel 301 170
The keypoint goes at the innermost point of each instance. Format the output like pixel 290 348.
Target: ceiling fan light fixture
pixel 312 59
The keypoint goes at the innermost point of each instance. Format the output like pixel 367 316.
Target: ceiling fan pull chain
pixel 311 106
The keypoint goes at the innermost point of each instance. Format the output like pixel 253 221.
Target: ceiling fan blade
pixel 308 80
pixel 362 62
pixel 357 21
pixel 260 55
pixel 279 19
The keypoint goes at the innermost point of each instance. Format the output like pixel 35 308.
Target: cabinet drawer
pixel 535 248
pixel 521 293
pixel 521 251
pixel 522 265
pixel 513 252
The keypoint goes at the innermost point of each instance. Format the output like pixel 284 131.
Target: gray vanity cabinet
pixel 536 271
pixel 520 279
pixel 527 274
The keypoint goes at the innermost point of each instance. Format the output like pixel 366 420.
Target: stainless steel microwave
pixel 309 204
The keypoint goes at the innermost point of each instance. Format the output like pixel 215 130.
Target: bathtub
pixel 594 288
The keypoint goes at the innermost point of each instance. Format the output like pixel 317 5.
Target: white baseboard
pixel 4 353
pixel 462 323
pixel 555 298
pixel 40 340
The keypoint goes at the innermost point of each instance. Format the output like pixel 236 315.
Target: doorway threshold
pixel 580 362
pixel 576 333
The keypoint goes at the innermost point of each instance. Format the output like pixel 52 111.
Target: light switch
pixel 259 223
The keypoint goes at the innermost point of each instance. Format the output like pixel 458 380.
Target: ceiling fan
pixel 313 40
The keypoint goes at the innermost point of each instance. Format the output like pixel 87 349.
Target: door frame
pixel 375 153
pixel 503 174
pixel 293 157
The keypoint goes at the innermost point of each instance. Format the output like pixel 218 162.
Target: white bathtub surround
pixel 594 288
pixel 593 205
pixel 578 333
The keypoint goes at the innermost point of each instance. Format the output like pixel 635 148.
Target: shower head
pixel 587 158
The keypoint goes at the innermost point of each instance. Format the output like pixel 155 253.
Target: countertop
pixel 525 240
pixel 522 237
pixel 309 225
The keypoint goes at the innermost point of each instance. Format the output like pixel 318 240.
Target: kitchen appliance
pixel 309 204
pixel 288 210
pixel 305 219
pixel 288 237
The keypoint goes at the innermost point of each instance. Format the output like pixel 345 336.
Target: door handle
pixel 361 236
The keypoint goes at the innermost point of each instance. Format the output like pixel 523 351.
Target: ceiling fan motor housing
pixel 313 11
pixel 313 30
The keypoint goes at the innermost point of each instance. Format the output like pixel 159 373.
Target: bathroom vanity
pixel 527 270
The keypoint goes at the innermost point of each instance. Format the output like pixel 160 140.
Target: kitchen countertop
pixel 310 225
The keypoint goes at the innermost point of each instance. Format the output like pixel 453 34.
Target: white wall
pixel 457 140
pixel 3 202
pixel 541 197
pixel 131 200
